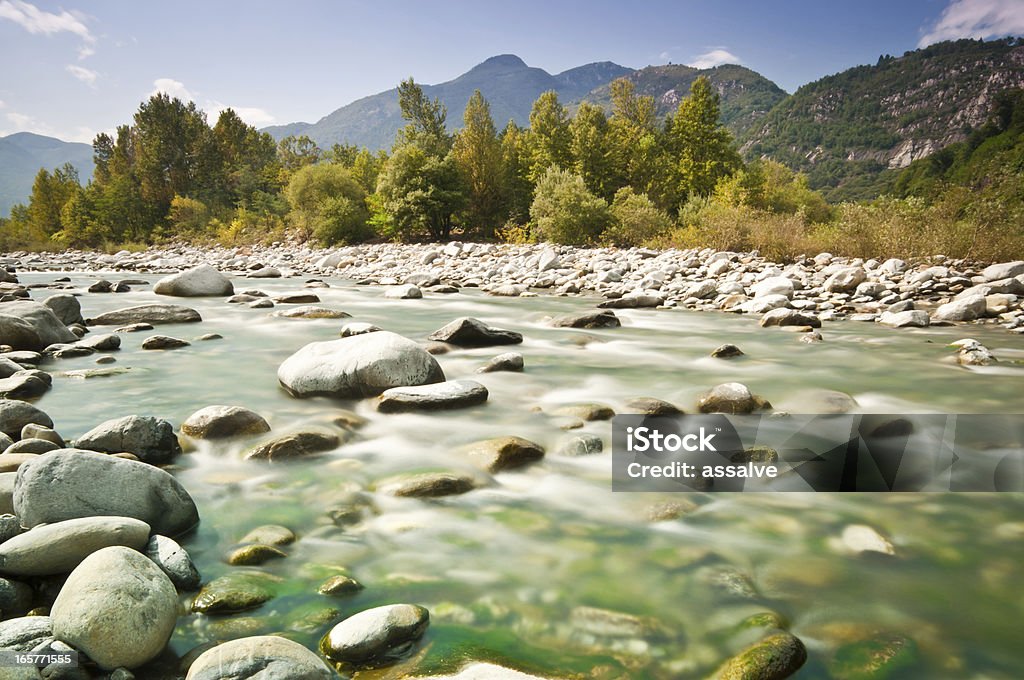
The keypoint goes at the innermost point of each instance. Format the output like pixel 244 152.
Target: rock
pixel 15 597
pixel 358 328
pixel 764 304
pixel 104 342
pixel 970 352
pixel 913 317
pixel 59 547
pixel 66 308
pixel 776 657
pixel 10 527
pixel 264 273
pixel 602 319
pixel 965 309
pixel 509 361
pixel 163 342
pixel 507 290
pixel 789 317
pixel 25 633
pixel 63 485
pixel 774 285
pixel 15 414
pixel 101 286
pixel 438 396
pixel 27 325
pixel 236 591
pixel 372 635
pixel 134 328
pixel 504 453
pixel 312 312
pixel 117 607
pixel 11 461
pixel 649 406
pixel 262 303
pixel 587 412
pixel 845 280
pixel 173 560
pixel 147 314
pixel 1004 270
pixel 860 538
pixel 340 585
pixel 23 385
pixel 581 445
pixel 254 554
pixel 358 366
pixel 270 534
pixel 406 291
pixel 733 398
pixel 201 281
pixel 151 439
pixel 262 657
pixel 298 299
pixel 469 332
pixel 8 367
pixel 429 485
pixel 881 656
pixel 727 351
pixel 294 446
pixel 220 422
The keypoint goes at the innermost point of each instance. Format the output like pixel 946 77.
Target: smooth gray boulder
pixel 358 366
pixel 912 317
pixel 469 332
pixel 15 414
pixel 598 319
pixel 201 281
pixel 405 291
pixel 24 385
pixel 783 316
pixel 174 561
pixel 509 361
pixel 964 309
pixel 151 439
pixel 59 547
pixel 1003 270
pixel 66 307
pixel 734 398
pixel 25 633
pixel 71 483
pixel 435 397
pixel 262 657
pixel 117 607
pixel 220 422
pixel 846 280
pixel 28 325
pixel 377 633
pixel 147 314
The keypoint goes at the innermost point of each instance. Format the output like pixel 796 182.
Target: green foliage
pixel 417 195
pixel 329 204
pixel 425 118
pixel 515 160
pixel 703 149
pixel 591 149
pixel 564 210
pixel 771 186
pixel 49 194
pixel 550 139
pixel 640 157
pixel 477 155
pixel 187 216
pixel 635 220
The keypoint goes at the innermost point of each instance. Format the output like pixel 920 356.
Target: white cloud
pixel 172 88
pixel 715 57
pixel 40 22
pixel 976 19
pixel 2 105
pixel 252 115
pixel 87 76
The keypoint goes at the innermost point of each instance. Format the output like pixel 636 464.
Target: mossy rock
pixel 876 658
pixel 776 657
pixel 235 592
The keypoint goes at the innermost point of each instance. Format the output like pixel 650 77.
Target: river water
pixel 512 572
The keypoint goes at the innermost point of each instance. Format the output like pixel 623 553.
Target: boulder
pixel 912 317
pixel 27 325
pixel 23 385
pixel 59 547
pixel 312 312
pixel 428 485
pixel 650 406
pixel 776 657
pixel 173 560
pixel 845 280
pixel 147 314
pixel 25 633
pixel 117 607
pixel 151 439
pixel 263 657
pixel 406 291
pixel 15 415
pixel 236 591
pixel 1003 270
pixel 438 396
pixel 376 634
pixel 601 319
pixel 774 285
pixel 201 281
pixel 470 332
pixel 164 342
pixel 294 446
pixel 733 398
pixel 220 422
pixel 66 308
pixel 358 328
pixel 504 453
pixel 70 483
pixel 965 309
pixel 789 317
pixel 509 361
pixel 358 366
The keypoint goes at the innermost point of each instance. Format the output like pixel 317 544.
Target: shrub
pixel 564 210
pixel 635 220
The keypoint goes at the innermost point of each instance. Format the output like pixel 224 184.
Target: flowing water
pixel 509 571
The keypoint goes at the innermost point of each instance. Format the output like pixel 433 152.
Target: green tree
pixel 477 154
pixel 591 149
pixel 249 160
pixel 425 121
pixel 295 152
pixel 637 147
pixel 515 160
pixel 550 140
pixel 417 195
pixel 49 194
pixel 703 148
pixel 564 210
pixel 329 204
pixel 366 168
pixel 635 219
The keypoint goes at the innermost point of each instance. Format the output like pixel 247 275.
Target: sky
pixel 74 68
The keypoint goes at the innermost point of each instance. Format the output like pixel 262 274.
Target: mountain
pixel 746 96
pixel 22 154
pixel 845 130
pixel 505 81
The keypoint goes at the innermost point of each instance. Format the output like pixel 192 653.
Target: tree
pixel 636 145
pixel 550 140
pixel 366 168
pixel 49 194
pixel 425 118
pixel 564 210
pixel 417 195
pixel 591 150
pixel 249 159
pixel 329 204
pixel 297 152
pixel 515 160
pixel 636 220
pixel 477 154
pixel 703 148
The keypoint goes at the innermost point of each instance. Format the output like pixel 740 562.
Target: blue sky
pixel 78 67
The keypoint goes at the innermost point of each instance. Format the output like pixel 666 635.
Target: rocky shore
pixel 91 554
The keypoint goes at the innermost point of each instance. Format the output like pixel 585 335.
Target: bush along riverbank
pixel 110 546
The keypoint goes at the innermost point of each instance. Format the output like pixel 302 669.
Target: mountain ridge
pixel 23 154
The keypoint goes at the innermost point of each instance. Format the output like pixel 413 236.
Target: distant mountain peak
pixel 504 61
